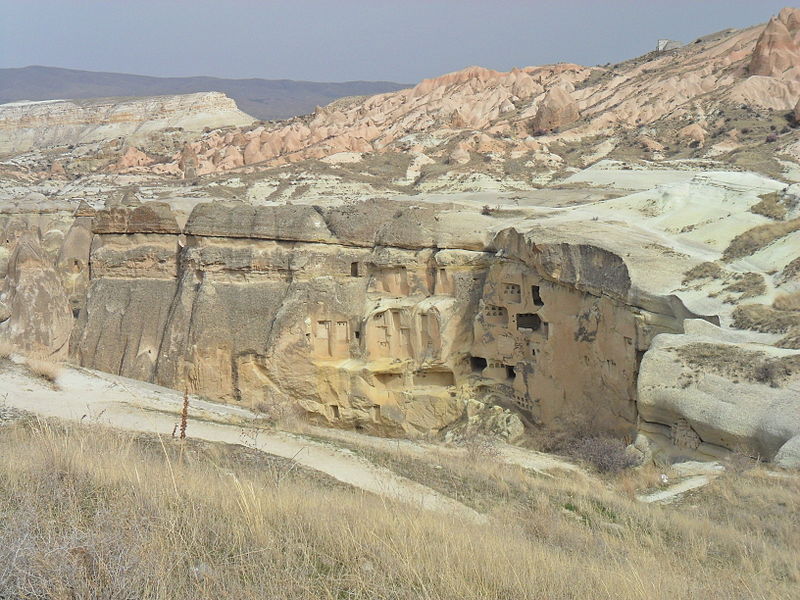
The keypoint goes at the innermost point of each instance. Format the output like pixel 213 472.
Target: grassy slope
pixel 89 512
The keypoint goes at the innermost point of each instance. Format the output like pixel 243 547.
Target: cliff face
pixel 27 125
pixel 389 317
pixel 360 316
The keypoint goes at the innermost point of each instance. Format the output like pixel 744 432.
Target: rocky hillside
pixel 727 96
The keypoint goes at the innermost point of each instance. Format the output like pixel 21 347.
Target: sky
pixel 340 40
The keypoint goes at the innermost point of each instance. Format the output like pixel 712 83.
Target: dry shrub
pixel 705 270
pixel 759 237
pixel 286 413
pixel 6 350
pixel 585 438
pixel 479 446
pixel 44 368
pixel 606 454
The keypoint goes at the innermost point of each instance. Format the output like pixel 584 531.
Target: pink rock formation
pixel 693 133
pixel 133 158
pixel 778 49
pixel 479 110
pixel 557 109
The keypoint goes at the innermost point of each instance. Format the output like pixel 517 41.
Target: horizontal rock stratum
pixel 27 125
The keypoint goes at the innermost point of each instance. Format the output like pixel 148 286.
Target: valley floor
pixel 91 511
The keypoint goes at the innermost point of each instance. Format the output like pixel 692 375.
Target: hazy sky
pixel 337 40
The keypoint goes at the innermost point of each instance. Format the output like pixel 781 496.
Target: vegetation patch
pixel 787 302
pixel 791 340
pixel 753 240
pixel 44 368
pixel 736 363
pixel 705 270
pixel 791 270
pixel 763 318
pixel 748 285
pixel 771 206
pixel 89 512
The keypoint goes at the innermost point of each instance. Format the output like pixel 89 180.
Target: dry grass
pixel 770 206
pixel 791 270
pixel 6 350
pixel 791 340
pixel 734 362
pixel 749 285
pixel 44 368
pixel 705 270
pixel 760 317
pixel 759 237
pixel 90 513
pixel 787 302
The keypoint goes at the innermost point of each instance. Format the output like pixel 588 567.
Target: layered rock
pixel 380 315
pixel 26 125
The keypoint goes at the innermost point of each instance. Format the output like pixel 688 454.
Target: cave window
pixel 529 321
pixel 335 411
pixel 76 312
pixel 537 299
pixel 512 291
pixel 497 314
pixel 477 364
pixel 354 269
pixel 510 372
pixel 357 333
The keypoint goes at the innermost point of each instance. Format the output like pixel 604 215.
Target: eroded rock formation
pixel 381 315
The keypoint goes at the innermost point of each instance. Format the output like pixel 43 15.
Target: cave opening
pixel 477 364
pixel 537 298
pixel 510 372
pixel 529 321
pixel 354 269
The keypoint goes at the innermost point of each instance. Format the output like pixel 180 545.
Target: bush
pixel 6 350
pixel 46 369
pixel 606 454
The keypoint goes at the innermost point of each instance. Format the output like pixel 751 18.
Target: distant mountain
pixel 264 99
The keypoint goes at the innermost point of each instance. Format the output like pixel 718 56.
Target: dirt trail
pixel 127 404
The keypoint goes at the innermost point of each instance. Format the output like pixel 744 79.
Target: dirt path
pixel 675 491
pixel 100 398
pixel 531 460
